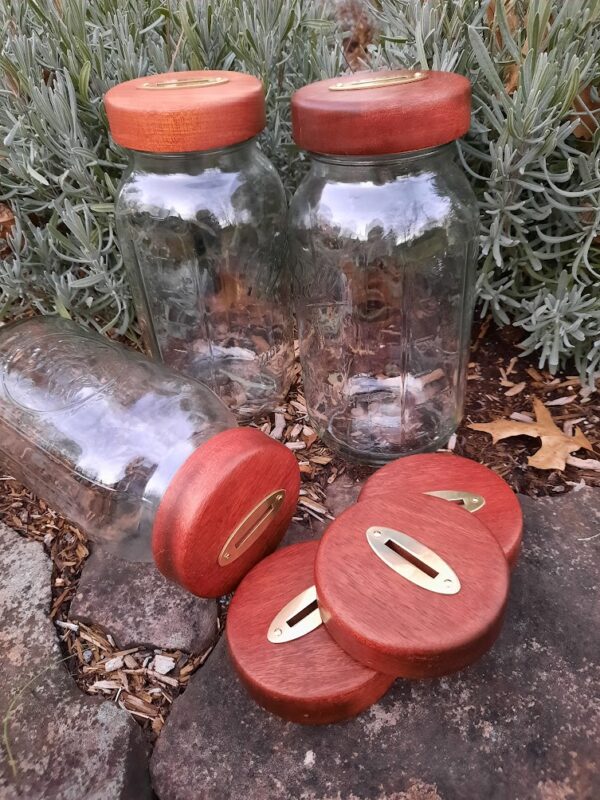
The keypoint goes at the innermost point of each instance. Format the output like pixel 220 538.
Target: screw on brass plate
pixel 277 632
pixel 226 556
pixel 376 533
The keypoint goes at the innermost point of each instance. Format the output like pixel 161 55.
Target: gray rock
pixel 521 724
pixel 297 532
pixel 64 745
pixel 342 493
pixel 137 605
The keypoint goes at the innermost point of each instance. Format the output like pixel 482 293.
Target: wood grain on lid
pixel 392 117
pixel 438 471
pixel 310 679
pixel 389 623
pixel 182 112
pixel 212 492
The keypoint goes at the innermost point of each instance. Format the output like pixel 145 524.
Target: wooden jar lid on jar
pixel 378 113
pixel 182 112
pixel 282 652
pixel 413 589
pixel 227 507
pixel 472 486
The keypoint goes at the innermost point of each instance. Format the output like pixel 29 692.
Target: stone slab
pixel 521 724
pixel 138 606
pixel 342 493
pixel 65 745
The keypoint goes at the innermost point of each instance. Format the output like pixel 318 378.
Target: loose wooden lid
pixel 383 610
pixel 374 113
pixel 444 472
pixel 308 679
pixel 181 112
pixel 227 506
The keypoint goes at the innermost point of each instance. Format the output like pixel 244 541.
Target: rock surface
pixel 137 605
pixel 65 745
pixel 342 493
pixel 522 724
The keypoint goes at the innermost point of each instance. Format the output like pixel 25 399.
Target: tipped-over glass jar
pixel 147 462
pixel 383 237
pixel 201 216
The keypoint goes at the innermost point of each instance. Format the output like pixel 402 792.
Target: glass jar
pixel 383 239
pixel 201 223
pixel 147 462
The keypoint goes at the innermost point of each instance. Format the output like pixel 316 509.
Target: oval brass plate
pixel 413 560
pixel 375 83
pixel 471 502
pixel 251 527
pixel 184 83
pixel 297 618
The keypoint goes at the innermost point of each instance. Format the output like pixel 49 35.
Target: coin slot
pixel 302 614
pixel 297 618
pixel 411 558
pixel 467 500
pixel 250 533
pixel 251 527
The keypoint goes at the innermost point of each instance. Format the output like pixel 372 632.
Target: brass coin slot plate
pixel 251 528
pixel 469 501
pixel 412 560
pixel 184 83
pixel 375 83
pixel 297 618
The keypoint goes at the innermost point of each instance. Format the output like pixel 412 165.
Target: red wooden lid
pixel 228 506
pixel 430 472
pixel 307 679
pixel 374 113
pixel 180 112
pixel 394 622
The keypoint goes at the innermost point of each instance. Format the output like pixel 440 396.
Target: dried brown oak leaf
pixel 556 445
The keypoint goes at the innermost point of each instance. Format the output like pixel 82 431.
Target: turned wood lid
pixel 182 112
pixel 377 113
pixel 308 679
pixel 485 494
pixel 227 506
pixel 414 589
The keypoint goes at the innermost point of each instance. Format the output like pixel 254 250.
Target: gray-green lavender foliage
pixel 538 183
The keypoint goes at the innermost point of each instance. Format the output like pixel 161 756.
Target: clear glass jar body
pixel 203 240
pixel 383 252
pixel 97 430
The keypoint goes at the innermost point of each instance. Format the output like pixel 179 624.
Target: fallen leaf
pixel 556 446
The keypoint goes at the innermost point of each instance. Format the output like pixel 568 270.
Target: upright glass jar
pixel 147 462
pixel 201 224
pixel 383 238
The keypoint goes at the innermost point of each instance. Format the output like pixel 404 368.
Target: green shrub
pixel 533 152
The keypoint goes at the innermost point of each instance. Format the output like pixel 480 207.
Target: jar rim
pixel 369 159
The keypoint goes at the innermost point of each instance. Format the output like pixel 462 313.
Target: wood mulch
pixel 145 681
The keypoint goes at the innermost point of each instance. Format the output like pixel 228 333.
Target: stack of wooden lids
pixel 410 582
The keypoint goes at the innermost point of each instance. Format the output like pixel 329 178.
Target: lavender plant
pixel 533 152
pixel 58 168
